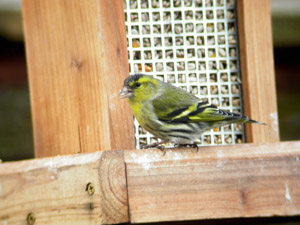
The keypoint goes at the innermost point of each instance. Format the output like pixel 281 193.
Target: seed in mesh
pixel 209 14
pixel 232 52
pixel 200 40
pixel 210 27
pixel 168 41
pixel 220 2
pixel 199 15
pixel 145 17
pixel 202 66
pixel 143 141
pixel 155 16
pixel 188 3
pixel 157 42
pixel 183 87
pixel 137 67
pixel 230 14
pixel 147 55
pixel 217 139
pixel 222 52
pixel 224 77
pixel 202 78
pixel 146 42
pixel 133 4
pixel 207 139
pixel 210 40
pixel 199 28
pixel 146 29
pixel 236 102
pixel 198 3
pixel 191 53
pixel 221 39
pixel 167 28
pixel 213 78
pixel 188 15
pixel 220 27
pixel 233 64
pixel 156 29
pixel 190 40
pixel 215 102
pixel 228 139
pixel 159 66
pixel 166 3
pixel 170 67
pixel 177 15
pixel 135 30
pixel 227 128
pixel 134 17
pixel 233 77
pixel 167 16
pixel 178 28
pixel 158 54
pixel 137 55
pixel 155 4
pixel 181 78
pixel 171 78
pixel 135 43
pixel 225 102
pixel 212 65
pixel 211 53
pixel 179 40
pixel 220 14
pixel 238 127
pixel 191 65
pixel 148 67
pixel 189 27
pixel 224 89
pixel 222 65
pixel 203 90
pixel 201 53
pixel 177 3
pixel 180 66
pixel 194 90
pixel 144 4
pixel 179 53
pixel 192 78
pixel 169 54
pixel 235 89
pixel 209 3
pixel 231 28
pixel 214 90
pixel 142 130
pixel 160 77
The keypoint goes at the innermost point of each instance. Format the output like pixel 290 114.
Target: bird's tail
pixel 257 122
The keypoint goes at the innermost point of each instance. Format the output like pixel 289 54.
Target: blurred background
pixel 16 141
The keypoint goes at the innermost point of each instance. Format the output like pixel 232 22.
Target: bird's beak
pixel 126 93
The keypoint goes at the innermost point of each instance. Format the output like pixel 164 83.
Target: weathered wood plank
pixel 54 190
pixel 249 180
pixel 257 69
pixel 77 61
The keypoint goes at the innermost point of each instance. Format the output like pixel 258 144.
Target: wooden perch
pixel 247 180
pixel 75 189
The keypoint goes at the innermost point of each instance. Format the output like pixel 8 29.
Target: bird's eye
pixel 137 84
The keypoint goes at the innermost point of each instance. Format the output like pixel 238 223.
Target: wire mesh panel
pixel 193 45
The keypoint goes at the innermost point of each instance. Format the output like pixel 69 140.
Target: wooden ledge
pixel 248 180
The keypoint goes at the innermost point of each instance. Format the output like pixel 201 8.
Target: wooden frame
pixel 66 57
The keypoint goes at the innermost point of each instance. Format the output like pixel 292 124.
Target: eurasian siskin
pixel 172 114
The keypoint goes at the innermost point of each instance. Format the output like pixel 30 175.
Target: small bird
pixel 172 114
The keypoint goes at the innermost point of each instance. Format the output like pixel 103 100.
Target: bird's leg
pixel 154 145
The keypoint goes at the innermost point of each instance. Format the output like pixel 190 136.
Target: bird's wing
pixel 192 113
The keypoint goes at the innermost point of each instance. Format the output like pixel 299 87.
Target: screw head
pixel 30 219
pixel 90 188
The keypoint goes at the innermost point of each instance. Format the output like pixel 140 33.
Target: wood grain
pixel 54 190
pixel 249 180
pixel 77 61
pixel 257 69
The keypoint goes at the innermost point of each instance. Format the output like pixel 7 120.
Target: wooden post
pixel 257 69
pixel 77 61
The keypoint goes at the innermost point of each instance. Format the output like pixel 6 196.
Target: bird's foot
pixel 194 145
pixel 160 145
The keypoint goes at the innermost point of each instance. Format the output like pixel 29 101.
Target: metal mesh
pixel 193 45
